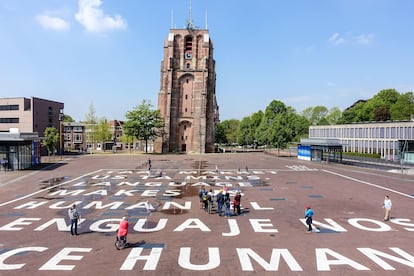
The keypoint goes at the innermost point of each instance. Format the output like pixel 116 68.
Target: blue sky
pixel 303 53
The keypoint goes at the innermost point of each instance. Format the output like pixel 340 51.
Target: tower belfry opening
pixel 187 96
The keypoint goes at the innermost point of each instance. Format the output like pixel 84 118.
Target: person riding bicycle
pixel 122 231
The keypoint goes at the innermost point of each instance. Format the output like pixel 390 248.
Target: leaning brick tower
pixel 187 97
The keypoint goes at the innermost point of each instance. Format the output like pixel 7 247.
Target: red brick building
pixel 187 97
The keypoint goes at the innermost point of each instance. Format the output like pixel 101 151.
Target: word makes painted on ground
pixel 147 259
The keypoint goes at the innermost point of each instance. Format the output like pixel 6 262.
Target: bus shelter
pixel 19 151
pixel 328 150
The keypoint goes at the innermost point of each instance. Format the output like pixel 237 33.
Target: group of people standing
pixel 223 200
pixel 206 202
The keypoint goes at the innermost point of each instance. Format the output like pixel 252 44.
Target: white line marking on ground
pixel 368 183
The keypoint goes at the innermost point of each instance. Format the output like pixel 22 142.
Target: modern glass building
pixel 391 140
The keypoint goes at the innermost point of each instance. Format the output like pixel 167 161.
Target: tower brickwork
pixel 187 98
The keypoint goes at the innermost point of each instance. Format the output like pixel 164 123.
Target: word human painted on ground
pixel 148 259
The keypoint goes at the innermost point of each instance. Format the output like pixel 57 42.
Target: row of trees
pixel 280 125
pixel 384 106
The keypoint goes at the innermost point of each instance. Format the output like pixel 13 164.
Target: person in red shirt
pixel 236 204
pixel 123 231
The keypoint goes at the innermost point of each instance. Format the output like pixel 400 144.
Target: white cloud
pixel 52 22
pixel 336 39
pixel 365 38
pixel 92 17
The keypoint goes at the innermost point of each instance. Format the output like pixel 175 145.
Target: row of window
pixel 9 107
pixel 77 137
pixel 9 120
pixel 394 132
pixel 75 129
pixel 372 144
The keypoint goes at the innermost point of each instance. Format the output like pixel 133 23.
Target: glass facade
pixel 18 155
pixel 380 138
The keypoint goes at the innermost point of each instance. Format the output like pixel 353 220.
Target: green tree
pixel 90 122
pixel 354 113
pixel 220 136
pixel 244 135
pixel 334 115
pixel 101 132
pixel 300 126
pixel 247 128
pixel 67 118
pixel 271 130
pixel 403 107
pixel 143 122
pixel 90 117
pixel 51 137
pixel 379 108
pixel 281 125
pixel 316 115
pixel 230 128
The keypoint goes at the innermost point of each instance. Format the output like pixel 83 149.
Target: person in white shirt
pixel 387 207
pixel 74 217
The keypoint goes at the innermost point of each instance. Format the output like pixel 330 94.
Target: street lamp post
pixel 61 115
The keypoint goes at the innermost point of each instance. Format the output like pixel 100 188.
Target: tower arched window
pixel 188 44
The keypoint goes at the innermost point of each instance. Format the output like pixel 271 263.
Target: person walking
pixel 201 194
pixel 210 201
pixel 74 217
pixel 387 207
pixel 220 202
pixel 227 205
pixel 236 204
pixel 149 164
pixel 308 217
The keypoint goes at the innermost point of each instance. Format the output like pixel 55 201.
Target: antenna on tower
pixel 190 24
pixel 172 19
pixel 206 21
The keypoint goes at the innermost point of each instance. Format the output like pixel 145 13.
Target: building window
pixel 77 138
pixel 188 44
pixel 9 107
pixel 9 120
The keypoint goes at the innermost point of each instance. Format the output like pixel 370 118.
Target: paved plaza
pixel 177 237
